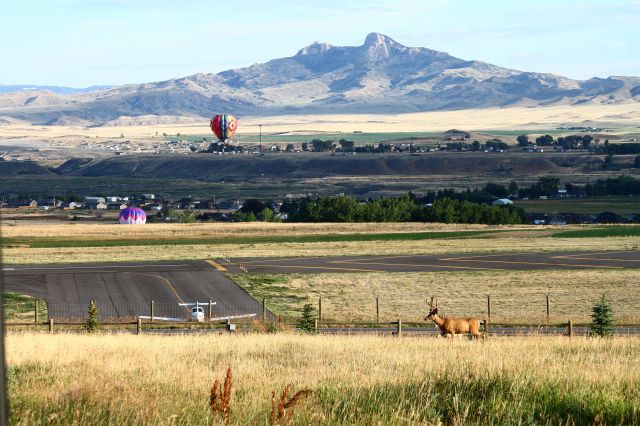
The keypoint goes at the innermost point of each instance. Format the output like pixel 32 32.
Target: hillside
pixel 302 166
pixel 380 76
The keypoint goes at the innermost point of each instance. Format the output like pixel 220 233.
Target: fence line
pixel 396 328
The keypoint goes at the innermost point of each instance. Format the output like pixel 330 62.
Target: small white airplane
pixel 198 314
pixel 197 310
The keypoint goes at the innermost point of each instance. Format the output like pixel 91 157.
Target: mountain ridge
pixel 380 76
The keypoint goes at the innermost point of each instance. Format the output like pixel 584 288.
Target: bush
pixel 602 323
pixel 93 321
pixel 308 320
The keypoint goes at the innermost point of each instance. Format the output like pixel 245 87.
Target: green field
pixel 600 232
pixel 18 307
pixel 592 205
pixel 49 242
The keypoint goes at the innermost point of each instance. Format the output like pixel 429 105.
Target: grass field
pixel 594 205
pixel 516 296
pixel 69 243
pixel 20 308
pixel 274 239
pixel 128 379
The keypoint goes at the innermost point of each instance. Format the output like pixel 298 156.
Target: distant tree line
pixel 407 208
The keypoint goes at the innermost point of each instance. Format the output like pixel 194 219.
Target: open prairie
pixel 620 115
pixel 114 379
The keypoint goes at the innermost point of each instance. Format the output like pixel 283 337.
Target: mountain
pixel 61 90
pixel 381 76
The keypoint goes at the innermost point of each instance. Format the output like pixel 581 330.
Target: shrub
pixel 308 320
pixel 93 321
pixel 602 323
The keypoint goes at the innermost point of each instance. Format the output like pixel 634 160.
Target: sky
pixel 79 43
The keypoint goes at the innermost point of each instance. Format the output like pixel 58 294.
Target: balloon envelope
pixel 224 126
pixel 132 216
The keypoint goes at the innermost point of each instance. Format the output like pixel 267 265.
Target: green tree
pixel 305 146
pixel 346 145
pixel 267 215
pixel 307 320
pixel 545 140
pixel 523 141
pixel 602 317
pixel 93 320
pixel 475 146
pixel 290 147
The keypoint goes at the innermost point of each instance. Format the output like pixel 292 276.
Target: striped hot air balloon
pixel 224 126
pixel 132 216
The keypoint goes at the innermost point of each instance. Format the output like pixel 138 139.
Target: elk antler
pixel 431 306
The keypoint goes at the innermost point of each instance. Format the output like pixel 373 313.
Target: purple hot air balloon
pixel 133 216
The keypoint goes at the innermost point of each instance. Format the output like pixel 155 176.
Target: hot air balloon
pixel 132 216
pixel 224 126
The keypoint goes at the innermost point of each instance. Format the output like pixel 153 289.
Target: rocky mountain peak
pixel 378 40
pixel 315 49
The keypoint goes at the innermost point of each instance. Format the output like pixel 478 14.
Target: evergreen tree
pixel 602 323
pixel 307 321
pixel 93 321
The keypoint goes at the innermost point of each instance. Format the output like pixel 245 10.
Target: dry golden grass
pixel 622 114
pixel 20 255
pixel 516 296
pixel 108 379
pixel 222 230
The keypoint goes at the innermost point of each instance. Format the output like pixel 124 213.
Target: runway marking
pixel 533 263
pixel 383 257
pixel 168 284
pixel 251 262
pixel 216 265
pixel 320 267
pixel 423 265
pixel 87 267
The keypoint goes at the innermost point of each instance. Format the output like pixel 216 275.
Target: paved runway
pixel 446 262
pixel 126 290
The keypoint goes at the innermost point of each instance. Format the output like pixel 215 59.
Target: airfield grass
pixel 78 243
pixel 127 379
pixel 516 296
pixel 21 308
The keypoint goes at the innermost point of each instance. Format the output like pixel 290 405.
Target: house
pixel 23 204
pixel 71 205
pixel 502 202
pixel 230 205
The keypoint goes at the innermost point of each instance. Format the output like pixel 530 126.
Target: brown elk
pixel 449 327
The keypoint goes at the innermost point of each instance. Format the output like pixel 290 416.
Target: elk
pixel 452 326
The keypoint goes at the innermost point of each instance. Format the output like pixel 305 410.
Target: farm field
pixel 516 296
pixel 69 242
pixel 593 205
pixel 109 379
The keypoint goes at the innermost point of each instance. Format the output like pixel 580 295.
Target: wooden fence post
pixel 570 328
pixel 139 326
pixel 315 325
pixel 210 309
pixel 153 310
pixel 489 307
pixel 50 325
pixel 264 309
pixel 377 310
pixel 486 327
pixel 35 312
pixel 548 310
pixel 399 331
pixel 320 308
